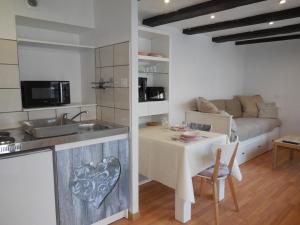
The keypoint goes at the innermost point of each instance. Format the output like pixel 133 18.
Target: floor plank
pixel 265 196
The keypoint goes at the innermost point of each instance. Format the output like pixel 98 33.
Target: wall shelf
pixel 31 42
pixel 150 73
pixel 72 105
pixel 151 58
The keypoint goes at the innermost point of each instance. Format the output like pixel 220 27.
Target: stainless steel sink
pixel 50 127
pixel 93 126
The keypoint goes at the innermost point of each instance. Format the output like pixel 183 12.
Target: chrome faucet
pixel 63 118
pixel 78 114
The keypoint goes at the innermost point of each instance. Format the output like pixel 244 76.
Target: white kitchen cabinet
pixel 27 193
pixel 153 108
pixel 156 108
pixel 143 109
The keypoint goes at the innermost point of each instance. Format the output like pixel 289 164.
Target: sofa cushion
pixel 249 106
pixel 220 103
pixel 268 110
pixel 252 127
pixel 206 106
pixel 233 107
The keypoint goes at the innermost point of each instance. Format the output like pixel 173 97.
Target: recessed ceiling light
pixel 167 1
pixel 212 17
pixel 271 23
pixel 282 2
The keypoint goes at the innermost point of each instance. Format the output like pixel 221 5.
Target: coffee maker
pixel 142 89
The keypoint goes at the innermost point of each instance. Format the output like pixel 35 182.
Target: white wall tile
pixel 107 56
pixel 92 113
pixel 10 100
pixel 98 74
pixel 71 112
pixel 122 98
pixel 121 54
pixel 99 114
pixel 97 57
pixel 107 114
pixel 8 52
pixel 12 120
pixel 105 97
pixel 9 76
pixel 42 114
pixel 121 76
pixel 107 74
pixel 122 117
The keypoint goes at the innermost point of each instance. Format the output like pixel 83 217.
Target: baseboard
pixel 113 218
pixel 133 216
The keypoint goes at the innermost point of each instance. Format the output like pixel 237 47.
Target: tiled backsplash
pixel 112 65
pixel 14 119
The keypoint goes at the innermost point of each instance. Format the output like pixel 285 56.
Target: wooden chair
pixel 217 172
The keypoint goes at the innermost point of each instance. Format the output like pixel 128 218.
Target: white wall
pixel 112 21
pixel 38 63
pixel 202 68
pixel 76 12
pixel 273 70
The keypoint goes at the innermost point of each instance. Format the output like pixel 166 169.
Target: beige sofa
pixel 255 134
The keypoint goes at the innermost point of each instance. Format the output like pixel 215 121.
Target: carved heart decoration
pixel 94 183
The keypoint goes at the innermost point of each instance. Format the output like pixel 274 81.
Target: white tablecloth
pixel 174 163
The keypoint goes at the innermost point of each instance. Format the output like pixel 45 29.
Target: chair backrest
pixel 226 154
pixel 199 126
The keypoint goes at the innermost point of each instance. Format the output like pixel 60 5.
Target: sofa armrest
pixel 220 123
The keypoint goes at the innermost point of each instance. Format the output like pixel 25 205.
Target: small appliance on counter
pixel 155 94
pixel 45 93
pixel 7 143
pixel 142 89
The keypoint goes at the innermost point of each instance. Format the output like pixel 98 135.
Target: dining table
pixel 173 162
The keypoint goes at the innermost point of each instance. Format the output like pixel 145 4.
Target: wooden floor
pixel 265 196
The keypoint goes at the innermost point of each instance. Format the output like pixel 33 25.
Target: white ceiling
pixel 149 8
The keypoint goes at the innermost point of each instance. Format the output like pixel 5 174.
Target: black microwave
pixel 45 93
pixel 155 93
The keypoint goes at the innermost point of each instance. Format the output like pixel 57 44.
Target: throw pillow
pixel 220 104
pixel 206 106
pixel 234 108
pixel 249 106
pixel 268 110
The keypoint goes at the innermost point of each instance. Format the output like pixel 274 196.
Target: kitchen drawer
pixel 143 109
pixel 156 108
pixel 9 76
pixel 8 52
pixel 10 100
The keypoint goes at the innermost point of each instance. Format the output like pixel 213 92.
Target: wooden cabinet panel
pixel 92 182
pixel 8 52
pixel 10 100
pixel 9 76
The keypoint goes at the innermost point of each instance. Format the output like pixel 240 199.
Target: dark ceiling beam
pixel 248 21
pixel 271 39
pixel 200 9
pixel 258 34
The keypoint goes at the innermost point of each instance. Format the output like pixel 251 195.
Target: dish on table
pixel 189 135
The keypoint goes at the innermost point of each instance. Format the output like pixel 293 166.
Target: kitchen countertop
pixel 28 143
